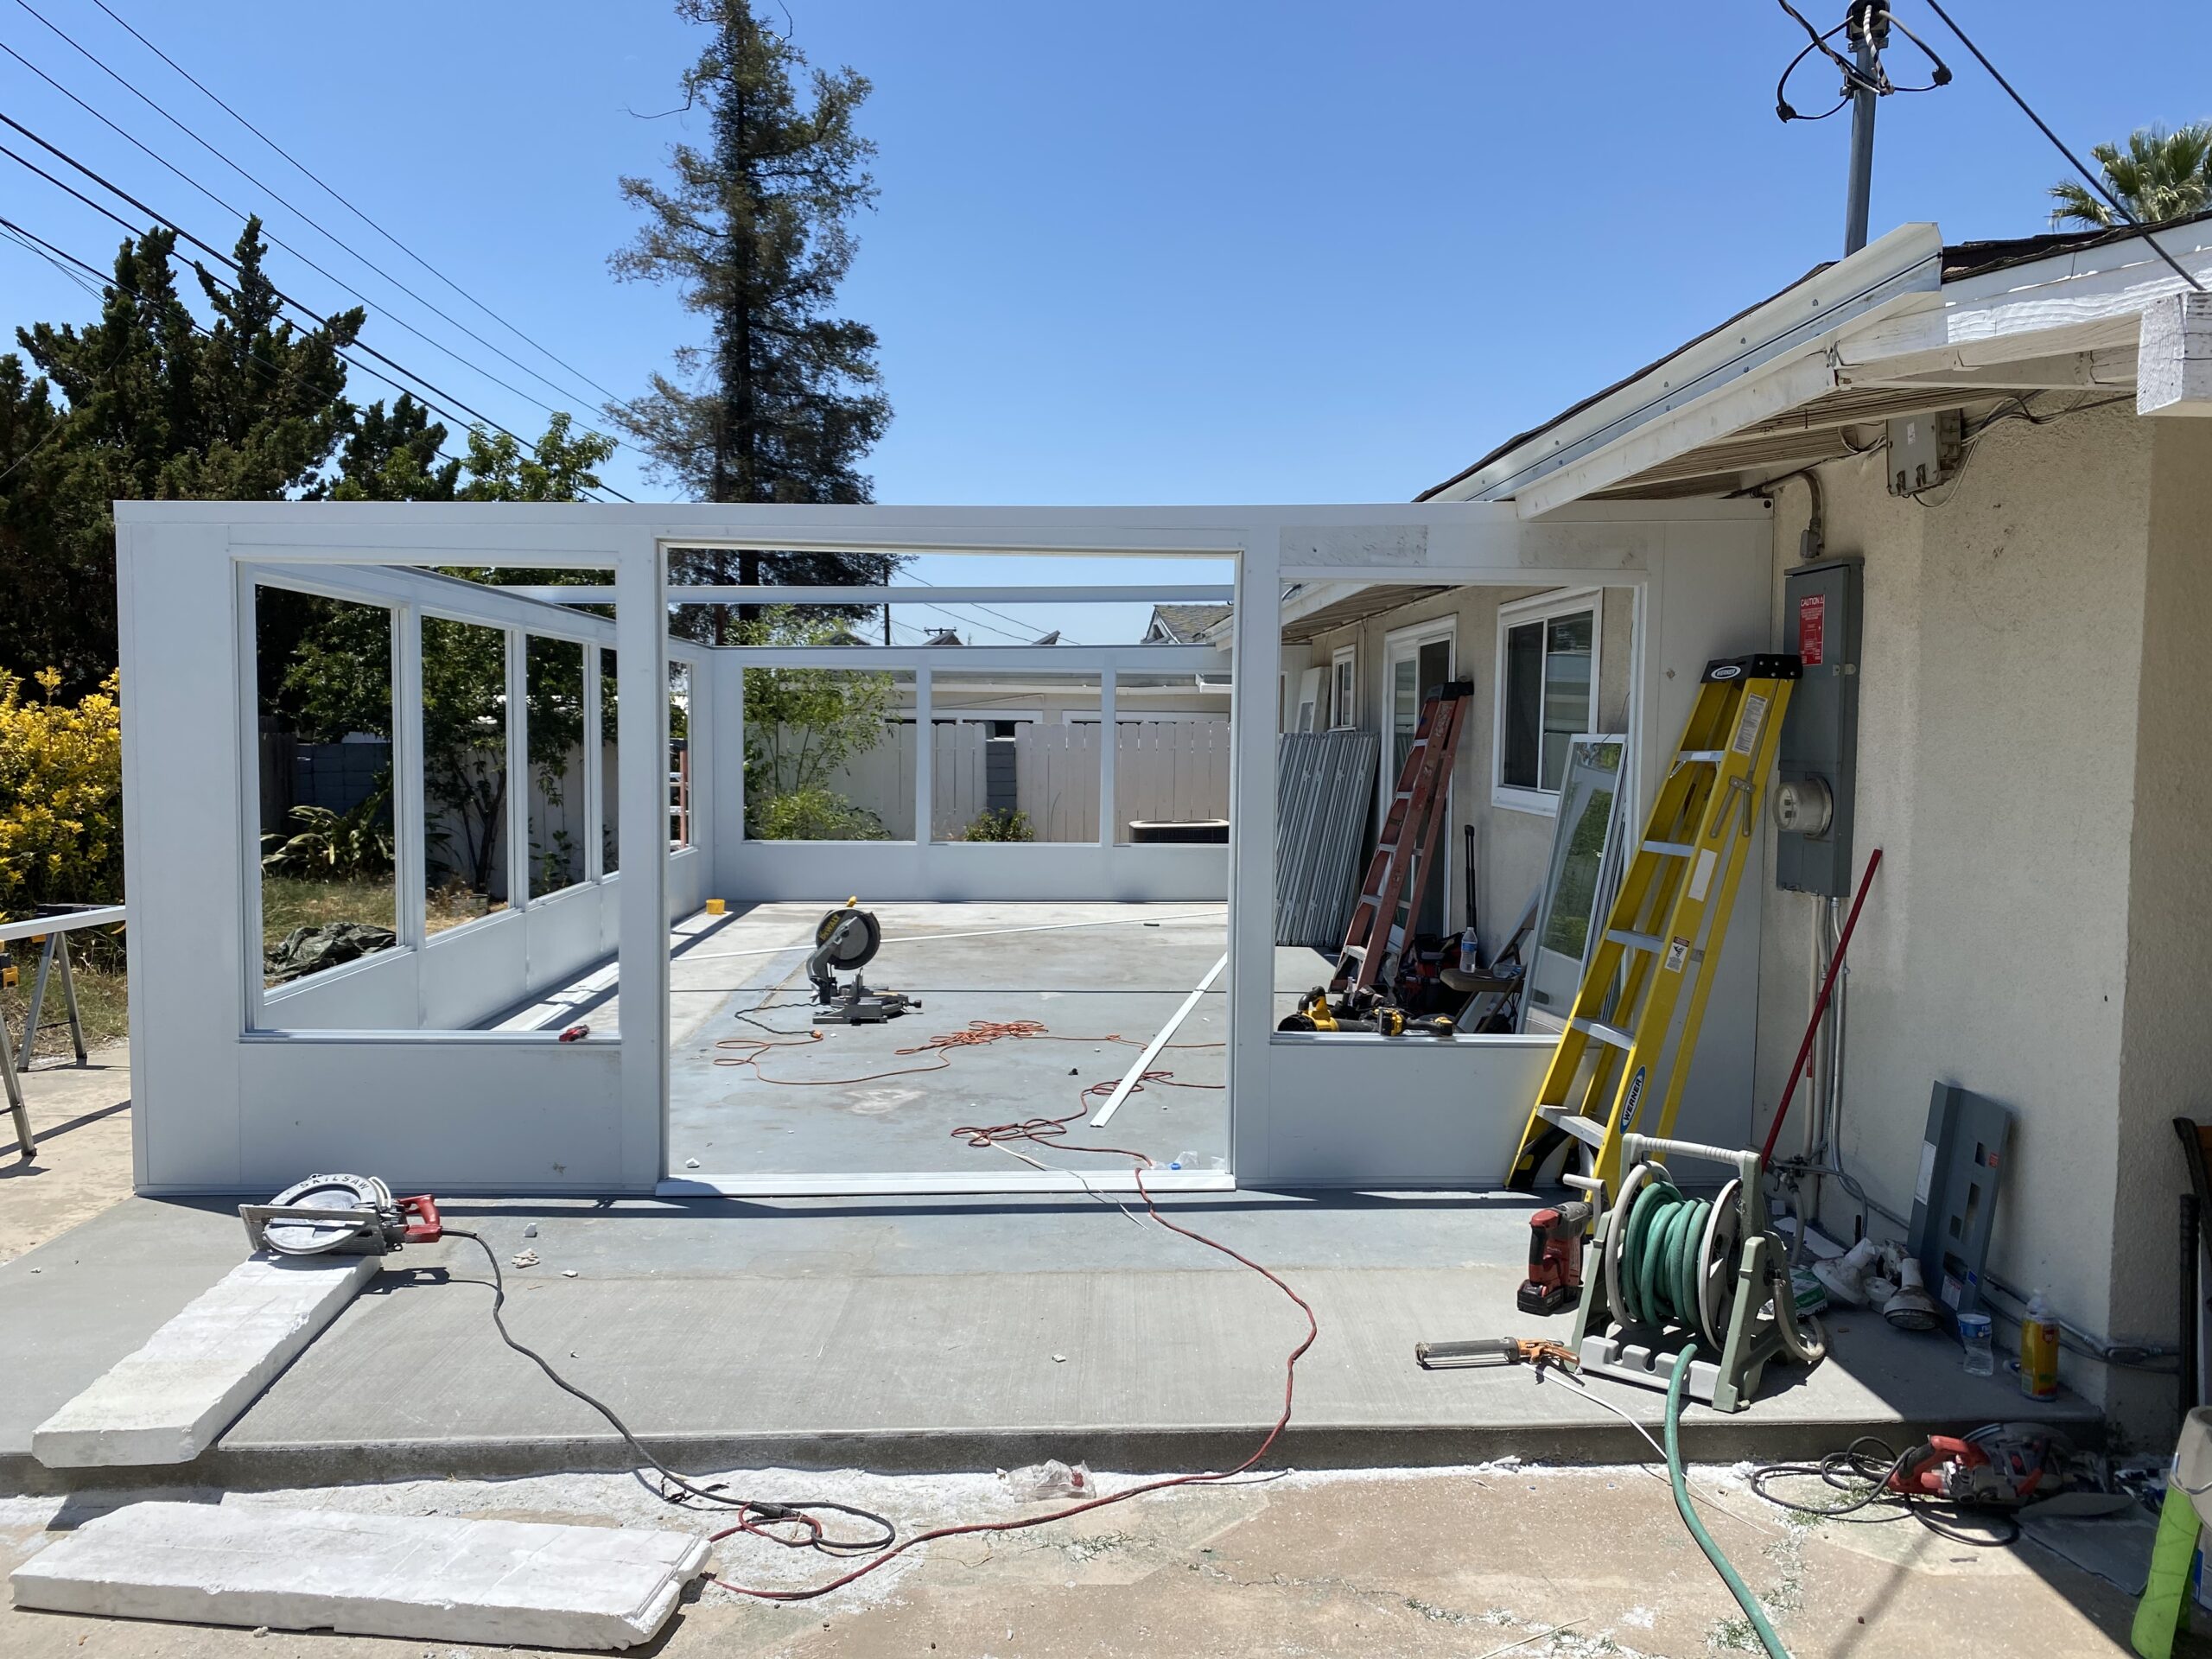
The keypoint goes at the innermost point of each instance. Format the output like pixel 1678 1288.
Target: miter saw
pixel 849 939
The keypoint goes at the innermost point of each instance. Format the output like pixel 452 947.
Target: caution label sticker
pixel 1678 950
pixel 1747 725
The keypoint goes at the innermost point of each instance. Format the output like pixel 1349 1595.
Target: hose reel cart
pixel 1674 1273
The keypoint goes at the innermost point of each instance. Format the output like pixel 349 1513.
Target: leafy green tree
pixel 247 408
pixel 2160 176
pixel 754 228
pixel 802 725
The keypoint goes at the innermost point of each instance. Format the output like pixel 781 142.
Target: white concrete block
pixel 169 1401
pixel 2173 372
pixel 425 1577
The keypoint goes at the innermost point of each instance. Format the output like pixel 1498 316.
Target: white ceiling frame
pixel 774 594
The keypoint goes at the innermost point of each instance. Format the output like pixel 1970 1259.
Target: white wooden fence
pixel 1171 771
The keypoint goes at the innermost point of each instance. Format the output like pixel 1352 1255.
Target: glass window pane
pixel 555 689
pixel 324 674
pixel 1566 689
pixel 464 771
pixel 1519 755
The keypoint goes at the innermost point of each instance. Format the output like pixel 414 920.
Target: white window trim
pixel 1397 644
pixel 1342 719
pixel 1541 609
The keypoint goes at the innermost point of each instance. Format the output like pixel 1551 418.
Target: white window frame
pixel 1344 689
pixel 1399 645
pixel 1543 607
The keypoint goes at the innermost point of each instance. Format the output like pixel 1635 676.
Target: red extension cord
pixel 1051 1132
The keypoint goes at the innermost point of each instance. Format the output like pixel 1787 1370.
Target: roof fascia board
pixel 2090 297
pixel 1906 262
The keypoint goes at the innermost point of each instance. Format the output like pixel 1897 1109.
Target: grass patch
pixel 103 1005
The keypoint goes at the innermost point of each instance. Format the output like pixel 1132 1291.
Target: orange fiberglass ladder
pixel 1395 878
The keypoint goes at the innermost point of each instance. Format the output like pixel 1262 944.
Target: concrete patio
pixel 945 1334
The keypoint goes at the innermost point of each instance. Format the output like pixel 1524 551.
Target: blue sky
pixel 1229 250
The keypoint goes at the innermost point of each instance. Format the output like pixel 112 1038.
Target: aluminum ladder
pixel 1393 876
pixel 1667 923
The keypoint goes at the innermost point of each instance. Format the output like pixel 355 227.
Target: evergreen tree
pixel 785 399
pixel 159 408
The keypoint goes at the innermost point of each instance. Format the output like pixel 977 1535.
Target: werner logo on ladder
pixel 1619 1069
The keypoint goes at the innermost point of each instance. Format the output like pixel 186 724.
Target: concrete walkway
pixel 950 1335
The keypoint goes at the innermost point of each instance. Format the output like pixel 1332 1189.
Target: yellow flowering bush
pixel 60 795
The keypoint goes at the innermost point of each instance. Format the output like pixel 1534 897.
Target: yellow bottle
pixel 2039 1350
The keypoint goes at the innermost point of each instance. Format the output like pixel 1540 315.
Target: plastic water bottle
pixel 1973 1337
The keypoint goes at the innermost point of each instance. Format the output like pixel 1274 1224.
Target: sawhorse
pixel 55 951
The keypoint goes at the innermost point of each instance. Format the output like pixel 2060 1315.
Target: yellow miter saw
pixel 848 938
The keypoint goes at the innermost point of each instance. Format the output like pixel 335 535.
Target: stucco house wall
pixel 2033 757
pixel 1512 844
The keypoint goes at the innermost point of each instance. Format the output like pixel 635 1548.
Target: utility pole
pixel 1866 24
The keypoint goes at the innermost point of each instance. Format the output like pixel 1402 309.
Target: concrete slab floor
pixel 1470 1562
pixel 946 1335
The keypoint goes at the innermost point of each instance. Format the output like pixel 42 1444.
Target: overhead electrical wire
pixel 2072 161
pixel 89 275
pixel 986 609
pixel 260 184
pixel 337 195
pixel 405 390
pixel 476 416
pixel 311 263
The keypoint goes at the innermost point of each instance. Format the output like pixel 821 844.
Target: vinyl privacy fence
pixel 1167 771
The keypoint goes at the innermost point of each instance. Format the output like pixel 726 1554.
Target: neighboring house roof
pixel 942 637
pixel 1182 624
pixel 1906 325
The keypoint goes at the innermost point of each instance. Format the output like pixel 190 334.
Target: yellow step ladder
pixel 1668 920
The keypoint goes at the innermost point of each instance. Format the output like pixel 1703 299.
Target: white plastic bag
pixel 1051 1478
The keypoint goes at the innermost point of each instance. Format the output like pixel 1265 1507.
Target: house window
pixel 1343 702
pixel 1547 692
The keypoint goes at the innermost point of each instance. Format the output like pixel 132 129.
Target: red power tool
pixel 1554 1259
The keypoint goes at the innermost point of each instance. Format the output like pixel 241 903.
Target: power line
pixel 336 195
pixel 259 184
pixel 131 230
pixel 985 609
pixel 208 248
pixel 2044 127
pixel 228 207
pixel 87 274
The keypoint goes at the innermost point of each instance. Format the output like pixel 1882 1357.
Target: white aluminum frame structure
pixel 226 1103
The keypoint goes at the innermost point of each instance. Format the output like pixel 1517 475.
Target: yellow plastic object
pixel 2039 1352
pixel 714 906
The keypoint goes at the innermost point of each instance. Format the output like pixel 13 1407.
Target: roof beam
pixel 771 594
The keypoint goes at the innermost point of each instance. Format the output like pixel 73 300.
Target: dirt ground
pixel 80 1116
pixel 1462 1563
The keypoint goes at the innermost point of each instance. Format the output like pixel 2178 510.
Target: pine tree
pixel 786 398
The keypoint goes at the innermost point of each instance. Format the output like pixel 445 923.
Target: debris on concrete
pixel 523 1259
pixel 169 1401
pixel 430 1578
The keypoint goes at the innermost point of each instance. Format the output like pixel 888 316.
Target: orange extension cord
pixel 1051 1132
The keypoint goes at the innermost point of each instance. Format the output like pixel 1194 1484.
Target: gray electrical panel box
pixel 1819 759
pixel 1925 450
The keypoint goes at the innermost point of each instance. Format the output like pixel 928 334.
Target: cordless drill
pixel 1554 1259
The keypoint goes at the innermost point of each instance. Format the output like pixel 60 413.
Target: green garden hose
pixel 1729 1576
pixel 1660 1268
